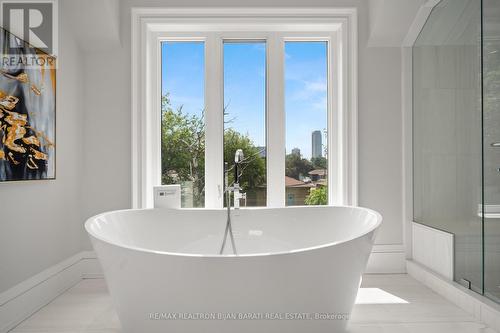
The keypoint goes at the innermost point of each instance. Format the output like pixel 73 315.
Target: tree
pixel 183 152
pixel 317 196
pixel 319 162
pixel 253 168
pixel 183 149
pixel 297 167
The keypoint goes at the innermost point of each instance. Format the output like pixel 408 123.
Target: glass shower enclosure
pixel 456 135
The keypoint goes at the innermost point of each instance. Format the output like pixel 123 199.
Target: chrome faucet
pixel 235 188
pixel 237 195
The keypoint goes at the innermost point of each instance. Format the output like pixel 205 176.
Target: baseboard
pixel 483 309
pixel 24 299
pixel 387 259
pixel 90 266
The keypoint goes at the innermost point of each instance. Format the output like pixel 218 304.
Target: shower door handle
pixel 496 144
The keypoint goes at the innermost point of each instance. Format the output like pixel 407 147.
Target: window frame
pixel 275 26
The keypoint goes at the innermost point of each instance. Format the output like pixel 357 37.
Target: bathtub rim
pixel 92 219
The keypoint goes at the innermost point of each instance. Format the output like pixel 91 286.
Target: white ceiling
pixel 390 21
pixel 96 23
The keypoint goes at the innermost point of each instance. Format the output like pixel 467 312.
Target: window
pixel 182 120
pixel 306 107
pixel 245 115
pixel 279 84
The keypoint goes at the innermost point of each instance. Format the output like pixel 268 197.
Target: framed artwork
pixel 27 111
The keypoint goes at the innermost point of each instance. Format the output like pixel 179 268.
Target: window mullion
pixel 214 122
pixel 275 124
pixel 336 122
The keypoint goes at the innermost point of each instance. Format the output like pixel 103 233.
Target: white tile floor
pixel 386 303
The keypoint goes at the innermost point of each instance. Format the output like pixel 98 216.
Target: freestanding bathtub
pixel 298 269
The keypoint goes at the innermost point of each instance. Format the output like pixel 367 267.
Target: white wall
pixel 107 176
pixel 40 221
pixel 380 139
pixel 107 163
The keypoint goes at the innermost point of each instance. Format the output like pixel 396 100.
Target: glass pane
pixel 182 121
pixel 491 130
pixel 245 115
pixel 306 164
pixel 447 131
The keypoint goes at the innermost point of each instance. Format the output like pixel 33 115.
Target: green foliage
pixel 183 156
pixel 319 162
pixel 183 149
pixel 297 167
pixel 317 196
pixel 253 167
pixel 183 152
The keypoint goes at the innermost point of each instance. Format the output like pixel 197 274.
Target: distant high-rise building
pixel 317 146
pixel 296 151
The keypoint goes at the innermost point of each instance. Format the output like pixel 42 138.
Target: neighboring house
pixel 296 191
pixel 317 175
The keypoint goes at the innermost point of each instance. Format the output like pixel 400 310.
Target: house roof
pixel 292 182
pixel 319 172
pixel 321 182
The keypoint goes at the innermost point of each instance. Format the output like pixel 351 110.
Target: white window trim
pixel 337 25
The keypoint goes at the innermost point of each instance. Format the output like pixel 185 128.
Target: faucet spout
pixel 238 156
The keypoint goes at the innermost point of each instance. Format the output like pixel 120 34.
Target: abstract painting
pixel 27 111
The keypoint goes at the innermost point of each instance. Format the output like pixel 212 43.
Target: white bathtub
pixel 297 269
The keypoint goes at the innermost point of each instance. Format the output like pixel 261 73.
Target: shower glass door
pixel 491 146
pixel 447 138
pixel 456 135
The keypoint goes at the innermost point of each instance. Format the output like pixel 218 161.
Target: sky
pixel 244 87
